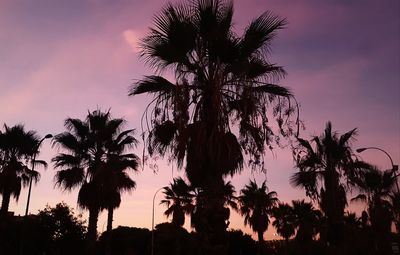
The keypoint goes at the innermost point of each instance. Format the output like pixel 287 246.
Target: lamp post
pixel 152 222
pixel 33 168
pixel 394 167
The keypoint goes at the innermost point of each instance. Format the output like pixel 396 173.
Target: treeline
pixel 94 157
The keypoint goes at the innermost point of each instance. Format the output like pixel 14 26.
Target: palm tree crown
pixel 220 79
pixel 307 220
pixel 179 201
pixel 284 220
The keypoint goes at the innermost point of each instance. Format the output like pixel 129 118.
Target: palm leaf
pixel 152 84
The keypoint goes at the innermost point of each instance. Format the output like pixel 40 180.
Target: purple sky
pixel 62 58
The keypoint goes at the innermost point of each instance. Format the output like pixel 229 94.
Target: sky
pixel 61 59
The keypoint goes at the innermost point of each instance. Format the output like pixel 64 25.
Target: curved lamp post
pixel 394 167
pixel 33 168
pixel 152 222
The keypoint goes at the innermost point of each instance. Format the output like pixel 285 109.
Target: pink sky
pixel 62 58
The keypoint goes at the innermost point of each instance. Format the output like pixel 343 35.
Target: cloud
pixel 132 38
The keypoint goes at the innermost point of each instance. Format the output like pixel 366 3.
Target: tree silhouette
pixel 115 178
pixel 307 220
pixel 63 230
pixel 84 164
pixel 376 187
pixel 322 171
pixel 256 204
pixel 179 201
pixel 17 147
pixel 221 80
pixel 284 221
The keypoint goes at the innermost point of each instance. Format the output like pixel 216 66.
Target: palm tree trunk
pixel 260 235
pixel 214 218
pixel 286 245
pixel 110 219
pixel 109 229
pixel 92 231
pixel 334 210
pixel 5 202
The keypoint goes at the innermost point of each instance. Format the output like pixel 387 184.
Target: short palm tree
pixel 256 204
pixel 307 220
pixel 284 221
pixel 377 187
pixel 220 79
pixel 322 170
pixel 84 165
pixel 17 146
pixel 179 201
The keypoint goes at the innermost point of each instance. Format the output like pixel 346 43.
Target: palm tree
pixel 220 79
pixel 307 220
pixel 322 170
pixel 284 221
pixel 17 146
pixel 256 204
pixel 178 199
pixel 84 164
pixel 377 187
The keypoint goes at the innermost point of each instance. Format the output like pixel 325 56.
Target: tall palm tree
pixel 256 205
pixel 17 147
pixel 179 201
pixel 220 79
pixel 284 221
pixel 83 164
pixel 322 170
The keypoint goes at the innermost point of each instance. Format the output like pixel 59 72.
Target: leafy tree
pixel 63 230
pixel 256 205
pixel 17 147
pixel 172 239
pixel 322 171
pixel 125 240
pixel 179 201
pixel 87 160
pixel 221 80
pixel 240 243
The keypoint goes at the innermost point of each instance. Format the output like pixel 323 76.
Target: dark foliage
pixel 125 240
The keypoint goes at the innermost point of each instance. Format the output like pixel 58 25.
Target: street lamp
pixel 152 222
pixel 394 167
pixel 33 168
